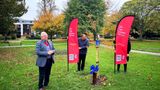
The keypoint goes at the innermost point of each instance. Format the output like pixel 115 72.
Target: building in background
pixel 23 27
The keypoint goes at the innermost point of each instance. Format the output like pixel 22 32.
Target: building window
pixel 28 27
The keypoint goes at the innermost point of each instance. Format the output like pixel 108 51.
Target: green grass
pixel 28 42
pixel 33 42
pixel 150 46
pixel 19 72
pixel 145 45
pixel 4 44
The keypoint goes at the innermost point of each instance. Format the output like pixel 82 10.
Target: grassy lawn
pixel 33 42
pixel 145 45
pixel 150 46
pixel 28 42
pixel 19 72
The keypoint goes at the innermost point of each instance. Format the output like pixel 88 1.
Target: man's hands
pixel 51 52
pixel 83 47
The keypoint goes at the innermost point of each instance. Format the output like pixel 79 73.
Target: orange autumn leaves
pixel 49 22
pixel 111 22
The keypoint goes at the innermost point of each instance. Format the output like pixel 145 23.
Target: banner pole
pixel 67 65
pixel 68 48
pixel 114 43
pixel 115 48
pixel 67 56
pixel 122 27
pixel 72 43
pixel 114 62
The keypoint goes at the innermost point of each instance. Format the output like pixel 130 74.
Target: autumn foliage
pixel 110 23
pixel 50 23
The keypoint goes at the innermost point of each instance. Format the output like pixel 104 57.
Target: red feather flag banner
pixel 73 48
pixel 121 39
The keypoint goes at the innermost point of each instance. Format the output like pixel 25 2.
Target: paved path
pixel 23 46
pixel 144 52
pixel 16 46
pixel 135 51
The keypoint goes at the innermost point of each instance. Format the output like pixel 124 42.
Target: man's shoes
pixel 78 71
pixel 118 71
pixel 125 72
pixel 45 86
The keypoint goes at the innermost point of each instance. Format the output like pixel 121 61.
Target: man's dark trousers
pixel 81 62
pixel 44 73
pixel 125 65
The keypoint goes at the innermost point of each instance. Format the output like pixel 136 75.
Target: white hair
pixel 83 35
pixel 44 34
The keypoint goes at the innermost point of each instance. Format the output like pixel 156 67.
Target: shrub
pixel 1 37
pixel 13 36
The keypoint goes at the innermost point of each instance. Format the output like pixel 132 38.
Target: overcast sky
pixel 61 4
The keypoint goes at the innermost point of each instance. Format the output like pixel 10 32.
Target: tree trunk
pixel 141 33
pixel 140 37
pixel 94 81
pixel 95 36
pixel 141 30
pixel 5 37
pixel 51 37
